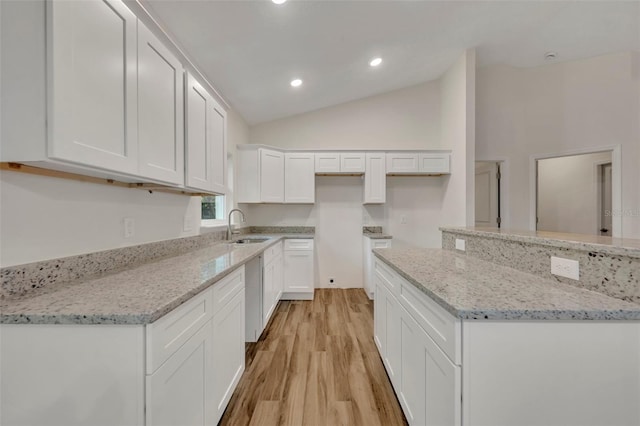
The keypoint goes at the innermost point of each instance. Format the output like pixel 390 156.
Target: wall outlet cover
pixel 129 227
pixel 565 268
pixel 460 244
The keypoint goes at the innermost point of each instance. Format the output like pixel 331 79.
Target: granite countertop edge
pixel 488 314
pixel 377 235
pixel 546 241
pixel 146 316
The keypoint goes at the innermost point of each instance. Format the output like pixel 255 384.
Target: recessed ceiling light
pixel 550 56
pixel 375 62
pixel 295 83
pixel 278 1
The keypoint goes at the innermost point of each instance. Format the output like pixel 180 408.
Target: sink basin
pixel 250 240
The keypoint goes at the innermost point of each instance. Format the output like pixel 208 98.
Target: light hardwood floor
pixel 316 364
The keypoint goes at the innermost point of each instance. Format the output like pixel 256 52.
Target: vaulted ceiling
pixel 251 50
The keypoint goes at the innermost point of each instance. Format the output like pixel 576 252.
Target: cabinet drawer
pixel 166 335
pixel 440 325
pixel 386 276
pixel 376 244
pixel 227 288
pixel 306 244
pixel 272 252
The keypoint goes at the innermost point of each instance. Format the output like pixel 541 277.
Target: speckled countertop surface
pixel 135 296
pixel 473 289
pixel 377 235
pixel 615 246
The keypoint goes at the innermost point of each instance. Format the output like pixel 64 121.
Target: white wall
pixel 458 134
pixel 557 109
pixel 408 118
pixel 45 218
pixel 432 115
pixel 568 193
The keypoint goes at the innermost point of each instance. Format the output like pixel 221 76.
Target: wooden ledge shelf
pixel 151 187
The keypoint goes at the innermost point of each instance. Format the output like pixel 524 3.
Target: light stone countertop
pixel 138 295
pixel 473 289
pixel 614 246
pixel 377 235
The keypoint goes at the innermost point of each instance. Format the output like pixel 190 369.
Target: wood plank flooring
pixel 316 364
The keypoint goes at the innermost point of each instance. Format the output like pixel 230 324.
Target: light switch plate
pixel 565 267
pixel 460 244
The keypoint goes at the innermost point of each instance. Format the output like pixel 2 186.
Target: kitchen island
pixel 469 342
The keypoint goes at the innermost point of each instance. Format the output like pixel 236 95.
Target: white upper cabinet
pixel 435 163
pixel 260 176
pixel 339 162
pixel 375 178
pixel 160 110
pixel 418 163
pixel 300 178
pixel 93 84
pixel 205 139
pixel 352 162
pixel 271 176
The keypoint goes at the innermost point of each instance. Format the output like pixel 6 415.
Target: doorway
pixel 574 193
pixel 488 196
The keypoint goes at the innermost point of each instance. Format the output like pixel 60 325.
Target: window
pixel 213 210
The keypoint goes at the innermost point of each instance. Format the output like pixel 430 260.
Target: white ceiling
pixel 251 50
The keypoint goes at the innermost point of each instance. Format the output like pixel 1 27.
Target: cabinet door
pixel 389 332
pixel 179 391
pixel 299 178
pixel 375 179
pixel 160 110
pixel 327 162
pixel 278 278
pixel 198 136
pixel 268 289
pixel 403 162
pixel 271 176
pixel 298 271
pixel 435 163
pixel 352 162
pixel 93 84
pixel 218 148
pixel 228 353
pixel 430 384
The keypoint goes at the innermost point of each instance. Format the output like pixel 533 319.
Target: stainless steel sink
pixel 250 240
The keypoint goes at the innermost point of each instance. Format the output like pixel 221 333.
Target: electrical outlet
pixel 460 244
pixel 129 224
pixel 565 267
pixel 403 219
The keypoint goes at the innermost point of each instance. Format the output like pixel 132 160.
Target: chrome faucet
pixel 230 233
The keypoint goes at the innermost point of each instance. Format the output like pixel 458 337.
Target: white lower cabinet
pixel 272 281
pixel 227 353
pixel 298 269
pixel 179 370
pixel 177 393
pixel 429 383
pixel 508 372
pixel 369 244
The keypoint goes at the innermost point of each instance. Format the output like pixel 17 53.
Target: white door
pixel 93 88
pixel 605 202
pixel 271 176
pixel 299 178
pixel 178 392
pixel 487 194
pixel 228 353
pixel 160 110
pixel 198 136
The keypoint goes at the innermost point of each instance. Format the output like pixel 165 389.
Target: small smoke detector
pixel 550 56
